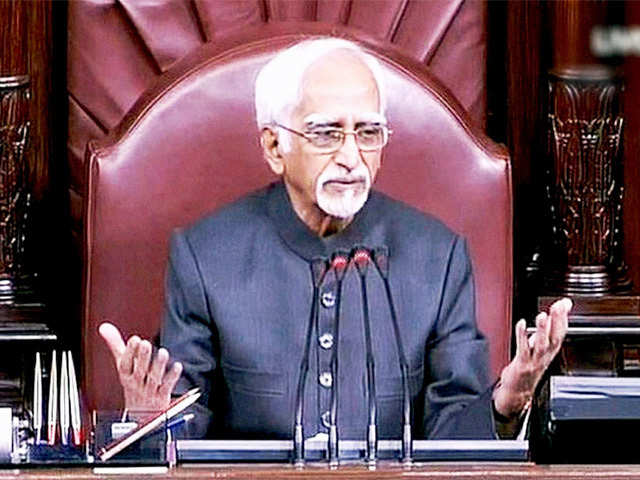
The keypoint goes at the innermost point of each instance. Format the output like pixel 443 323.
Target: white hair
pixel 278 87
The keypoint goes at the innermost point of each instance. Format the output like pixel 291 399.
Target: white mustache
pixel 360 174
pixel 358 179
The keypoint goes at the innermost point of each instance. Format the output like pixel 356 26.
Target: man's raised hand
pixel 146 382
pixel 519 379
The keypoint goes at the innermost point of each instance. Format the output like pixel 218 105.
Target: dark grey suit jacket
pixel 239 293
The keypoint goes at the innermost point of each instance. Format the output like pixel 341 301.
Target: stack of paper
pixel 594 398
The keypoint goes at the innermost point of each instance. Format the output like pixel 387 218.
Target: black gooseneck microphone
pixel 360 258
pixel 339 264
pixel 381 261
pixel 318 271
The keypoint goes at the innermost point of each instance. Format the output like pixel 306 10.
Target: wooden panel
pixel 571 22
pixel 33 35
pixel 13 37
pixel 540 35
pixel 25 33
pixel 384 470
pixel 526 65
pixel 631 106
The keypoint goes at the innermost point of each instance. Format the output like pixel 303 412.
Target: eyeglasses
pixel 369 137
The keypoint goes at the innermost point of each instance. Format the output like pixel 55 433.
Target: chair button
pixel 326 419
pixel 326 341
pixel 328 299
pixel 326 380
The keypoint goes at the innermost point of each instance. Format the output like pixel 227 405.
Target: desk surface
pixel 385 470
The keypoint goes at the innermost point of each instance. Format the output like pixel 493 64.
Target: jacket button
pixel 328 299
pixel 326 341
pixel 326 419
pixel 326 380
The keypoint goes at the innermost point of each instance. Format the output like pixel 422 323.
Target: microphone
pixel 318 271
pixel 361 259
pixel 381 261
pixel 339 264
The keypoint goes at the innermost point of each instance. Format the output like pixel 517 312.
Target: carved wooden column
pixel 14 186
pixel 585 181
pixel 26 36
pixel 585 186
pixel 585 193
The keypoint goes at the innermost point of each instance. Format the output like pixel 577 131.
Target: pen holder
pixel 111 431
pixel 45 454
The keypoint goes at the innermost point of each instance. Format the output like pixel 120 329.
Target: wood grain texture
pixel 526 60
pixel 384 470
pixel 571 22
pixel 13 38
pixel 631 155
pixel 570 25
pixel 25 36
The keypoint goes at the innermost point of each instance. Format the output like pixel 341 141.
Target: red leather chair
pixel 190 144
pixel 117 49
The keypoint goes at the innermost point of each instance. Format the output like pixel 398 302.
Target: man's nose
pixel 349 155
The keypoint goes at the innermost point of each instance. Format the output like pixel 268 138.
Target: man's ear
pixel 269 142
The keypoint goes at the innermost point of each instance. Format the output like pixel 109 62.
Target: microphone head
pixel 318 270
pixel 360 257
pixel 339 263
pixel 381 260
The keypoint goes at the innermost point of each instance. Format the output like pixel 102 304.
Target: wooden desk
pixel 434 471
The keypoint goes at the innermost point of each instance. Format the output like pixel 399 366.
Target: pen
pixel 37 399
pixel 52 410
pixel 150 425
pixel 64 400
pixel 180 421
pixel 74 400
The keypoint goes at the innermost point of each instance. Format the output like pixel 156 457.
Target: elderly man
pixel 239 284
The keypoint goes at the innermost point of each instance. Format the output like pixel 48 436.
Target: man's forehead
pixel 342 73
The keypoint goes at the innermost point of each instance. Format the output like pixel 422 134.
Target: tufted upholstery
pixel 190 144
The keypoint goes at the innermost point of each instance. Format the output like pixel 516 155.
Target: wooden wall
pixel 540 35
pixel 26 39
pixel 32 35
pixel 632 152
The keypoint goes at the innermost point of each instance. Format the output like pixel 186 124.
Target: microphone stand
pixel 318 271
pixel 381 261
pixel 339 263
pixel 361 260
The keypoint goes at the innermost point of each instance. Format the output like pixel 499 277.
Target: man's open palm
pixel 533 356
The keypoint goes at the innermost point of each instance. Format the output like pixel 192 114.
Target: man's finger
pixel 157 369
pixel 126 360
pixel 142 360
pixel 541 344
pixel 170 379
pixel 523 352
pixel 560 320
pixel 113 339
